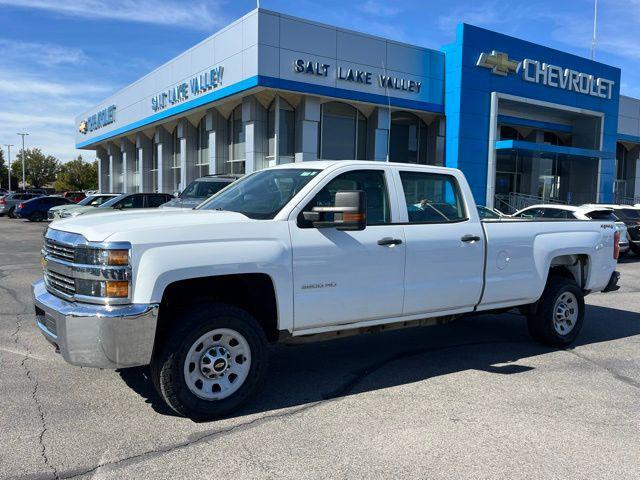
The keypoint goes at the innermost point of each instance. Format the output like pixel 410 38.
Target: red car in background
pixel 75 197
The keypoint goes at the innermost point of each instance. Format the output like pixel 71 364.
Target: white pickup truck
pixel 302 251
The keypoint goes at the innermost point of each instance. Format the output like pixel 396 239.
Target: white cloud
pixel 379 8
pixel 195 14
pixel 45 54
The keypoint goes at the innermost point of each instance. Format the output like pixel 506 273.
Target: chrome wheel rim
pixel 217 364
pixel 565 313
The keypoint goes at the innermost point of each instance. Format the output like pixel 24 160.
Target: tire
pixel 36 217
pixel 635 248
pixel 213 327
pixel 11 214
pixel 560 314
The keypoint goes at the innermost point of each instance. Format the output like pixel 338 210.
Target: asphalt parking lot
pixel 472 399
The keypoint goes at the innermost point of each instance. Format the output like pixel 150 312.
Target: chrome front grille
pixel 59 282
pixel 59 250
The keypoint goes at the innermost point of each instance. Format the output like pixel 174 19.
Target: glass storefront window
pixel 282 116
pixel 408 141
pixel 236 162
pixel 343 132
pixel 202 159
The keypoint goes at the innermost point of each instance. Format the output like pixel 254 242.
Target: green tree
pixel 40 169
pixel 77 175
pixel 4 174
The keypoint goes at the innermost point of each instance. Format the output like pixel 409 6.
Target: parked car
pixel 9 202
pixel 631 218
pixel 36 209
pixel 584 212
pixel 3 192
pixel 309 250
pixel 199 190
pixel 90 201
pixel 40 191
pixel 75 197
pixel 122 202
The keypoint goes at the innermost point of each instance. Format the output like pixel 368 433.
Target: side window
pixel 154 201
pixel 432 197
pixel 532 213
pixel 134 201
pixel 554 213
pixel 372 182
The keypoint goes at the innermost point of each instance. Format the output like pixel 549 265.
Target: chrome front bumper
pixel 101 336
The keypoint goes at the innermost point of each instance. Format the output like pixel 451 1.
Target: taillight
pixel 3 201
pixel 616 245
pixel 21 205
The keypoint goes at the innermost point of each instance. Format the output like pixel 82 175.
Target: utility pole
pixel 9 160
pixel 595 23
pixel 24 182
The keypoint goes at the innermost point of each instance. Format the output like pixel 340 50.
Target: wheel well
pixel 254 293
pixel 573 267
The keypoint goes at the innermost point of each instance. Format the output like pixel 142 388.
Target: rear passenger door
pixel 444 244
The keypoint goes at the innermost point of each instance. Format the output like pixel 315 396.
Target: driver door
pixel 344 277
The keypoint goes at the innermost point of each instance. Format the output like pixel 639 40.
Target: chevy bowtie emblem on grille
pixel 498 62
pixel 82 128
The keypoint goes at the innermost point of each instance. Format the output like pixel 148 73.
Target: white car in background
pixel 584 212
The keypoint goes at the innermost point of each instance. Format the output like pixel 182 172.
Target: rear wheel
pixel 560 313
pixel 11 213
pixel 212 362
pixel 36 217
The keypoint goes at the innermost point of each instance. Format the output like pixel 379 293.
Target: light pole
pixel 24 182
pixel 9 160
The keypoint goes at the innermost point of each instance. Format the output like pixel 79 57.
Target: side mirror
pixel 349 212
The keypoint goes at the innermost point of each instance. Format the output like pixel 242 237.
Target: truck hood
pixel 98 228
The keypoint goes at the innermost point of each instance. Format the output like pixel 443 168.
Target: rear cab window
pixel 432 197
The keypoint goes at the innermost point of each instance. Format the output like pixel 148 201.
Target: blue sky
pixel 61 57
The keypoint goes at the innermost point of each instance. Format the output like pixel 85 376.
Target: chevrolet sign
pixel 547 74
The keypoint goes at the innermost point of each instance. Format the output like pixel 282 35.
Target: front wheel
pixel 560 313
pixel 12 213
pixel 212 362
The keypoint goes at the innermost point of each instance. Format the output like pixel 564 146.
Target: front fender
pixel 161 265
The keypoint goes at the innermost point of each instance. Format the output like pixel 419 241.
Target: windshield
pixel 113 201
pixel 263 194
pixel 202 189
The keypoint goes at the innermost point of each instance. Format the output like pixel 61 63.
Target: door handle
pixel 389 241
pixel 470 238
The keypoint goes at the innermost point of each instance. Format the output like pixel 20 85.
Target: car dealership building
pixel 522 121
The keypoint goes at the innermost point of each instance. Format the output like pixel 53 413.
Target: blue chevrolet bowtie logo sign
pixel 498 62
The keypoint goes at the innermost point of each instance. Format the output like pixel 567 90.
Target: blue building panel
pixel 468 98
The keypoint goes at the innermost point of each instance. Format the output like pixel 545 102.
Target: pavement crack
pixel 13 294
pixel 622 378
pixel 202 438
pixel 36 401
pixel 334 395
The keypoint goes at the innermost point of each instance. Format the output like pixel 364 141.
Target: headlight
pixel 102 272
pixel 97 256
pixel 105 289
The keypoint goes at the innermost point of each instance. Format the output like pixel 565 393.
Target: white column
pixel 144 145
pixel 165 150
pixel 378 130
pixel 188 138
pixel 103 169
pixel 254 125
pixel 115 167
pixel 307 127
pixel 216 126
pixel 127 149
